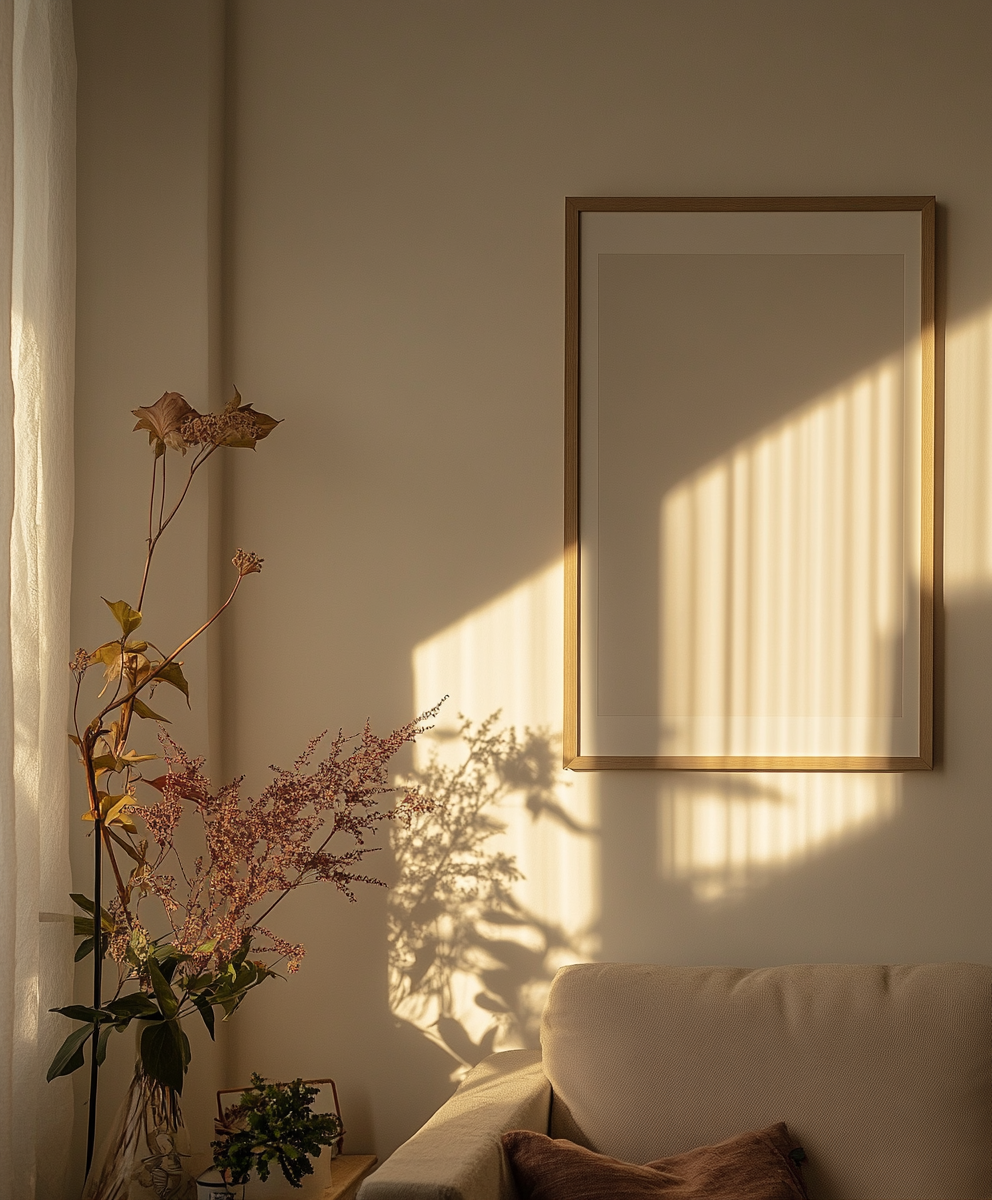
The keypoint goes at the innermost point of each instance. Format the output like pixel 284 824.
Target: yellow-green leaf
pixel 109 653
pixel 87 905
pixel 173 673
pixel 133 756
pixel 111 807
pixel 127 617
pixel 142 709
pixel 113 811
pixel 109 803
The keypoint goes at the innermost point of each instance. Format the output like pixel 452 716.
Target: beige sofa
pixel 883 1073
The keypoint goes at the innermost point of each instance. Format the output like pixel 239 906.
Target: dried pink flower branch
pixel 256 850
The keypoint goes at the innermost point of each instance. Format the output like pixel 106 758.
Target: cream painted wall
pixel 393 287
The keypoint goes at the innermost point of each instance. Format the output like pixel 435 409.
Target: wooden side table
pixel 347 1172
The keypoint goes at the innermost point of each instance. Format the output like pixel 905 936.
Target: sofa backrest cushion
pixel 883 1073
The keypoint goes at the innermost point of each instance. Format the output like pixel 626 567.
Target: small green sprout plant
pixel 273 1122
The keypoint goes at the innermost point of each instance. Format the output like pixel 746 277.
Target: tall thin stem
pixel 201 457
pixel 151 498
pixel 156 672
pixel 121 889
pixel 97 980
pixel 162 491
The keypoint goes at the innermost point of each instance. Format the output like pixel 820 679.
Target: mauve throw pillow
pixel 763 1165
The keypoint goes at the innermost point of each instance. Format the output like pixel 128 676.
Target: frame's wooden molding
pixel 570 730
pixel 748 203
pixel 740 762
pixel 928 572
pixel 931 399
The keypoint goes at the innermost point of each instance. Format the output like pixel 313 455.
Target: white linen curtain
pixel 37 269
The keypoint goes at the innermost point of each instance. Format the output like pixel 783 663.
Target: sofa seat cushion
pixel 883 1073
pixel 763 1165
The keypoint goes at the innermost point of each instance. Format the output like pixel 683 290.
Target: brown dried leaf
pixel 163 420
pixel 264 424
pixel 187 789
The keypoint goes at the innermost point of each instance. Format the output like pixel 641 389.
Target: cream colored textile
pixel 457 1155
pixel 883 1073
pixel 37 130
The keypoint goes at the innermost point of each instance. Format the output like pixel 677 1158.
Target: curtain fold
pixel 37 283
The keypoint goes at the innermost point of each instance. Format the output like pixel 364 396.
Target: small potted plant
pixel 271 1123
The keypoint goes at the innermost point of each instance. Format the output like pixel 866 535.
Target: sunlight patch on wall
pixel 782 566
pixel 968 454
pixel 783 615
pixel 727 834
pixel 500 885
pixel 506 655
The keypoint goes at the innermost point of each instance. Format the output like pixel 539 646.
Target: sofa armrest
pixel 457 1155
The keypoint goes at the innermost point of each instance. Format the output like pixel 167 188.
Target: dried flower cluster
pixel 246 562
pixel 258 849
pixel 173 423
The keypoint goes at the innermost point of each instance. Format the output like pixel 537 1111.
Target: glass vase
pixel 146 1156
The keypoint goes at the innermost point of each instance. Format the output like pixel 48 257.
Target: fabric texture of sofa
pixel 884 1073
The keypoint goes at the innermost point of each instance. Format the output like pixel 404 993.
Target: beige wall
pixel 392 285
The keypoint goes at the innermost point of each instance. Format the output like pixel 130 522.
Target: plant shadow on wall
pixel 469 964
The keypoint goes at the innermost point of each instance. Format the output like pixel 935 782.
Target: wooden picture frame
pixel 750 418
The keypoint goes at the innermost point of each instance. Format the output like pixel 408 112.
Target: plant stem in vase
pixel 146 1155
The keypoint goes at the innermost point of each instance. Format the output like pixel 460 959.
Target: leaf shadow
pixel 469 964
